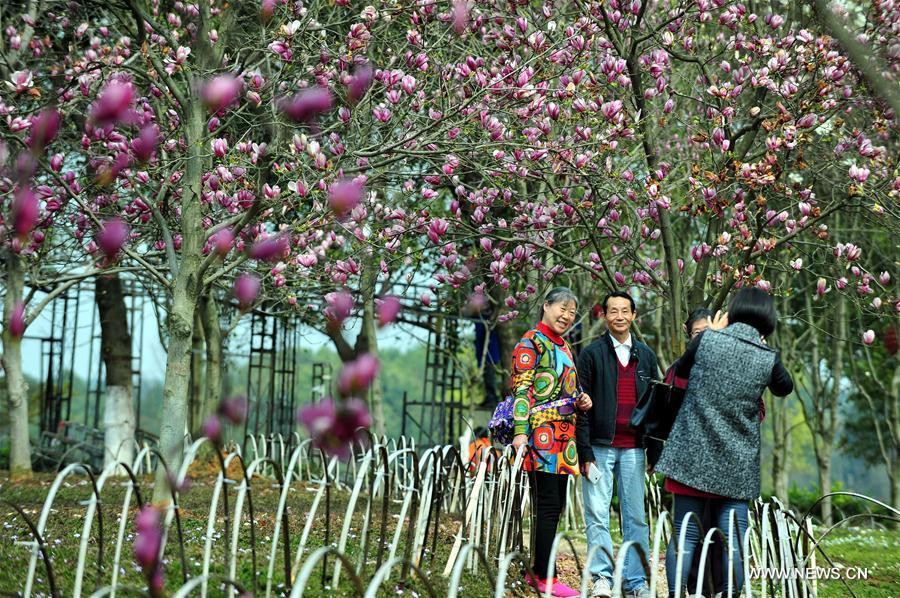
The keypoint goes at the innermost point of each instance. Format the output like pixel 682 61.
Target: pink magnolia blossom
pixel 436 229
pixel 343 196
pixel 388 309
pixel 21 81
pixel 381 114
pixel 356 376
pixel 113 103
pixel 16 324
pixel 282 49
pixel 797 264
pixel 553 110
pixel 44 128
pixel 272 249
pixel 408 84
pixel 807 121
pixel 333 427
pixel 460 16
pixel 884 278
pixel 112 236
pixel 611 109
pixel 360 82
pixel 148 536
pixel 212 428
pixel 859 174
pixel 340 304
pixel 619 278
pixel 852 252
pixel 425 298
pixel 764 285
pixel 308 104
pixel 221 92
pixel 868 337
pixel 25 211
pixel 821 287
pixel 246 289
pixel 147 545
pixel 266 9
pixel 641 277
pixel 223 241
pixel 234 409
pixel 145 143
pixel 220 147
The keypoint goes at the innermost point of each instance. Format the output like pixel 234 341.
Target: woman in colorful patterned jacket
pixel 545 387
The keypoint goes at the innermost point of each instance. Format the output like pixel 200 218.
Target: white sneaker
pixel 601 588
pixel 641 592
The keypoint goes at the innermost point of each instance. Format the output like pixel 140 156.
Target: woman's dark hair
pixel 701 313
pixel 559 295
pixel 621 295
pixel 754 307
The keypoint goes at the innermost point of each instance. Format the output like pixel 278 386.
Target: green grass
pixel 878 550
pixel 65 526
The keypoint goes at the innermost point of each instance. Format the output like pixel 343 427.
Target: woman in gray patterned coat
pixel 712 456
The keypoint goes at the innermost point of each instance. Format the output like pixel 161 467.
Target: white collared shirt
pixel 623 350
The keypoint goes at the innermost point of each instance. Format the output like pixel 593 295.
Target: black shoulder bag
pixel 653 416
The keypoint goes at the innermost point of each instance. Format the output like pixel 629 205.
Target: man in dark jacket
pixel 614 370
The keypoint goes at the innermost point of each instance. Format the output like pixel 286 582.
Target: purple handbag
pixel 502 426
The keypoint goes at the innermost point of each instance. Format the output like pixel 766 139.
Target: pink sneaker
pixel 558 589
pixel 536 582
pixel 562 590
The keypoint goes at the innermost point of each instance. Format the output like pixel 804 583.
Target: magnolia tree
pixel 41 249
pixel 212 152
pixel 324 157
pixel 680 149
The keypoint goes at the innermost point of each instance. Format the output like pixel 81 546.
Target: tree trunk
pixel 175 388
pixel 196 400
pixel 825 484
pixel 16 387
pixel 670 250
pixel 832 415
pixel 895 483
pixel 781 447
pixel 370 334
pixel 187 288
pixel 115 349
pixel 212 332
pixel 894 436
pixel 780 409
pixel 508 337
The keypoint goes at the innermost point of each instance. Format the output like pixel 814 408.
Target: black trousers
pixel 548 496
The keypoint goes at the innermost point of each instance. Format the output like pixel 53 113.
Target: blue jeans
pixel 626 466
pixel 693 540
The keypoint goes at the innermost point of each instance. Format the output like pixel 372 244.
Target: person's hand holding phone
pixel 590 471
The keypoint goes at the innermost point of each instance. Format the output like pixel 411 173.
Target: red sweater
pixel 626 398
